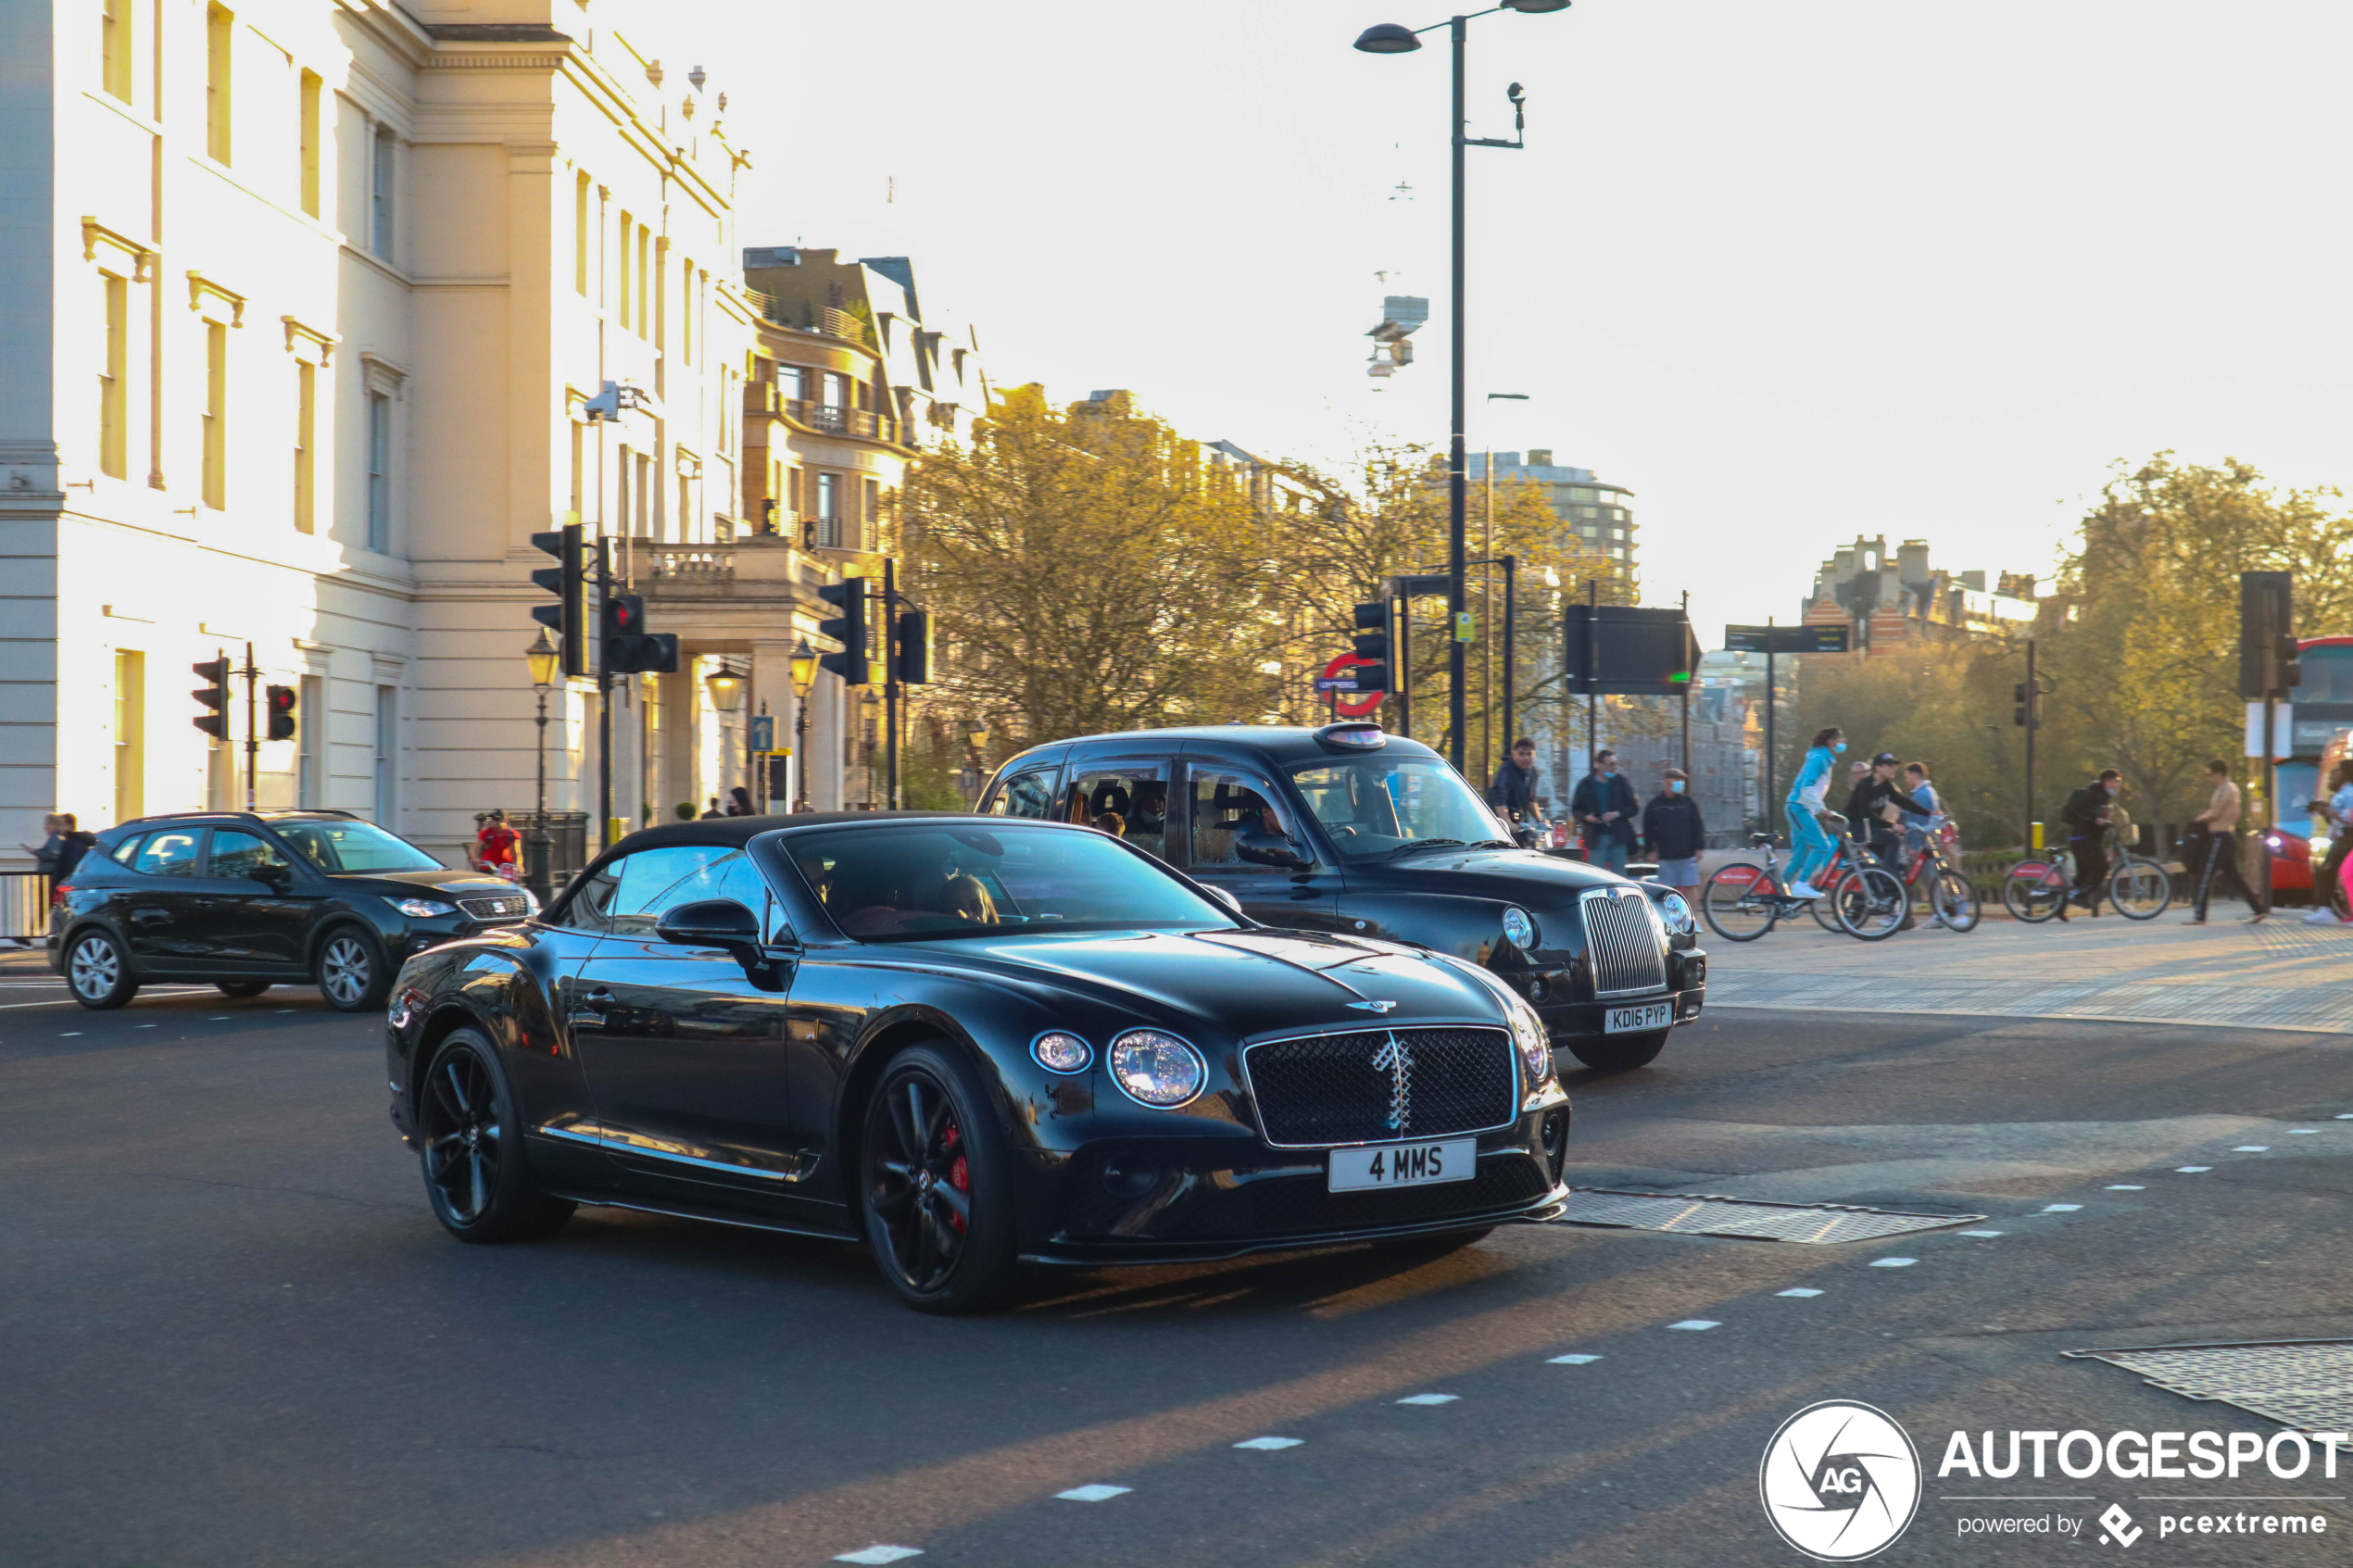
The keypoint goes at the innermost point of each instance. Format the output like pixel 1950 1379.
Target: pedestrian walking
pixel 1809 844
pixel 2220 820
pixel 1676 835
pixel 494 845
pixel 740 802
pixel 2330 902
pixel 2087 813
pixel 45 854
pixel 76 844
pixel 1604 807
pixel 714 814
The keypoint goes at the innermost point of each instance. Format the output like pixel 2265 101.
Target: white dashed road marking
pixel 2252 1149
pixel 2302 1132
pixel 1798 1291
pixel 2126 1187
pixel 1894 1263
pixel 1695 1324
pixel 2060 1208
pixel 881 1554
pixel 1572 1361
pixel 2193 1170
pixel 1095 1493
pixel 1429 1399
pixel 1271 1443
pixel 1977 1233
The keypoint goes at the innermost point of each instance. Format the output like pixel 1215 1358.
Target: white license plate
pixel 1403 1165
pixel 1633 1021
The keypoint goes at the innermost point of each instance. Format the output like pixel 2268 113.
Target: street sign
pixel 1415 585
pixel 1334 680
pixel 1786 639
pixel 1634 652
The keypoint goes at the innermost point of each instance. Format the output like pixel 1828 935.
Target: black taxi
pixel 1346 828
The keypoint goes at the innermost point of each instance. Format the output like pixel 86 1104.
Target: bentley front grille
pixel 1381 1085
pixel 1623 944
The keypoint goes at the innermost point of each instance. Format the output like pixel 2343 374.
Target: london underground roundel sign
pixel 1351 704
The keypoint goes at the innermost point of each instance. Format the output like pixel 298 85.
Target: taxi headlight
pixel 1519 929
pixel 1675 910
pixel 1535 1046
pixel 1157 1069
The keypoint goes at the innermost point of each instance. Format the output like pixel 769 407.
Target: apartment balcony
pixel 837 419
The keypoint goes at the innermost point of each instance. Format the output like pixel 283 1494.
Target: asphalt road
pixel 230 1332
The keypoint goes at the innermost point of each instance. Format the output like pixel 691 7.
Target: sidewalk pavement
pixel 2282 975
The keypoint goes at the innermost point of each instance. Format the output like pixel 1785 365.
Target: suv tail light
pixel 57 894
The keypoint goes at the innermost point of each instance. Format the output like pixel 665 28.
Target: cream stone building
pixel 302 304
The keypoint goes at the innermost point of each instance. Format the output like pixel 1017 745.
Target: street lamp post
pixel 543 657
pixel 1387 37
pixel 804 676
pixel 727 686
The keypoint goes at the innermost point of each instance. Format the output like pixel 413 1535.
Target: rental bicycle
pixel 1742 901
pixel 2137 887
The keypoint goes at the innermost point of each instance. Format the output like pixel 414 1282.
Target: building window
pixel 792 491
pixel 310 739
pixel 306 435
pixel 870 522
pixel 310 144
pixel 380 473
pixel 130 734
pixel 685 312
pixel 112 412
pixel 645 259
pixel 387 756
pixel 216 416
pixel 627 228
pixel 219 33
pixel 114 50
pixel 579 444
pixel 580 232
pixel 829 511
pixel 381 173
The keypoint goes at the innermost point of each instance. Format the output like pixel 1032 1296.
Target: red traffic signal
pixel 627 647
pixel 281 703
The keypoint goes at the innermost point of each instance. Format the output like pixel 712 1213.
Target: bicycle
pixel 2137 887
pixel 1741 902
pixel 1951 897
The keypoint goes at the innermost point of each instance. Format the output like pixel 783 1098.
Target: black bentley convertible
pixel 974 1043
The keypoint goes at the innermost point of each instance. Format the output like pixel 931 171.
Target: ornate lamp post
pixel 804 675
pixel 543 657
pixel 976 759
pixel 727 686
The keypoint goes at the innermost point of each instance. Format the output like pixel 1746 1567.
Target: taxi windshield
pixel 1387 808
pixel 923 883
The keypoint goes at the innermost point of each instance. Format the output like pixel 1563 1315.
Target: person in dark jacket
pixel 1605 809
pixel 1514 791
pixel 2086 815
pixel 1866 807
pixel 1672 829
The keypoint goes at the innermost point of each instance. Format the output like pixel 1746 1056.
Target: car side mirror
pixel 273 875
pixel 1279 850
pixel 725 923
pixel 1226 897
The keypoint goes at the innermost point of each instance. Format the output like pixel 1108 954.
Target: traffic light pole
pixel 253 732
pixel 2033 720
pixel 1765 806
pixel 1511 569
pixel 1456 458
pixel 891 683
pixel 604 704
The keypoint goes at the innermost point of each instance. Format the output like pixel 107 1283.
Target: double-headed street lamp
pixel 1387 37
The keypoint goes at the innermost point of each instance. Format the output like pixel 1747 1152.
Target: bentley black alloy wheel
pixel 351 971
pixel 938 1206
pixel 473 1149
pixel 98 973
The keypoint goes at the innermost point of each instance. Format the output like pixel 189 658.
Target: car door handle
pixel 588 1011
pixel 152 917
pixel 596 1002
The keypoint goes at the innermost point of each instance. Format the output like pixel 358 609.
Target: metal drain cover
pixel 1747 1218
pixel 2306 1384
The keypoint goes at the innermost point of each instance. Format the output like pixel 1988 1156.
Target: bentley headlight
pixel 422 908
pixel 1157 1069
pixel 1058 1050
pixel 1535 1046
pixel 1519 929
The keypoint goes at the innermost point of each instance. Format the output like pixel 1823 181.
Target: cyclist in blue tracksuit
pixel 1810 846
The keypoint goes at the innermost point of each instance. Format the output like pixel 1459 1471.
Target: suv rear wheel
pixel 99 971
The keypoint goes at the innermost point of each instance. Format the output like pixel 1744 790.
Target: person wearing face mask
pixel 1605 809
pixel 1672 829
pixel 1809 843
pixel 2086 815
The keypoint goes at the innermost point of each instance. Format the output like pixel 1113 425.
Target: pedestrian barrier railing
pixel 24 906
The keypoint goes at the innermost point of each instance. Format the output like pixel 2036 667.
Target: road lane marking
pixel 2252 1149
pixel 1571 1360
pixel 1696 1324
pixel 1979 1232
pixel 2060 1208
pixel 1270 1444
pixel 1094 1492
pixel 2302 1132
pixel 2126 1187
pixel 881 1554
pixel 2193 1170
pixel 1894 1263
pixel 1429 1399
pixel 1801 1292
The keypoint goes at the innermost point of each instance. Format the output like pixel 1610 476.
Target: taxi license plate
pixel 1633 1021
pixel 1403 1165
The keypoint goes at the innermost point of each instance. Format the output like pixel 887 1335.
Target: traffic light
pixel 1372 643
pixel 2027 714
pixel 849 596
pixel 281 703
pixel 627 647
pixel 913 647
pixel 2266 634
pixel 567 618
pixel 214 694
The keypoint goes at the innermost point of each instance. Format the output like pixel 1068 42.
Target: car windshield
pixel 1383 808
pixel 908 884
pixel 340 846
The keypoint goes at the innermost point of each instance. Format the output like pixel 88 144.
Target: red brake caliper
pixel 960 1175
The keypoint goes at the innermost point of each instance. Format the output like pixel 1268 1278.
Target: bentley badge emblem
pixel 1372 1007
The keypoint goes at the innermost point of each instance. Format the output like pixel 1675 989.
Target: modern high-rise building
pixel 1598 515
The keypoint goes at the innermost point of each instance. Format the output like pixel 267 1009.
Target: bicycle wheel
pixel 2139 889
pixel 1953 899
pixel 2033 892
pixel 1739 902
pixel 1871 904
pixel 1825 908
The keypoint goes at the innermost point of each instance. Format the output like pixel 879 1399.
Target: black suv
pixel 1349 828
pixel 246 899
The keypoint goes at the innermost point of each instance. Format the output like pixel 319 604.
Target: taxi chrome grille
pixel 1381 1085
pixel 1622 944
pixel 503 906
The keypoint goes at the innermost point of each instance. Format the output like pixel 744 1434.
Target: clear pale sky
pixel 1792 271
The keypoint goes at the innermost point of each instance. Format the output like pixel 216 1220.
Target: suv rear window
pixel 169 852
